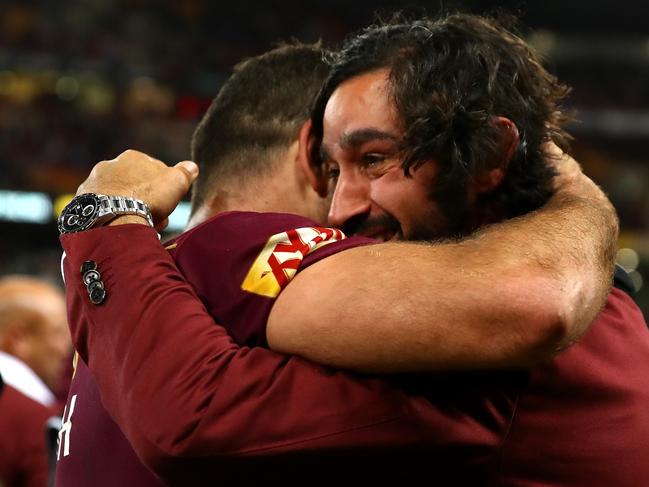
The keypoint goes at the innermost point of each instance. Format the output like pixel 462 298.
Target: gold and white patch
pixel 281 257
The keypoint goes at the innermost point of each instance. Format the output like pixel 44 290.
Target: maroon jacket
pixel 199 408
pixel 23 454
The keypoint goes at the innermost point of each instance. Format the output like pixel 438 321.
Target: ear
pixel 306 160
pixel 15 339
pixel 496 170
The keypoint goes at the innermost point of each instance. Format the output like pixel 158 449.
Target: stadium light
pixel 25 207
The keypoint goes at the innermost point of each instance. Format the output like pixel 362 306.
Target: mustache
pixel 362 224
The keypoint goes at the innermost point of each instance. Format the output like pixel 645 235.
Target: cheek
pixel 408 200
pixel 399 195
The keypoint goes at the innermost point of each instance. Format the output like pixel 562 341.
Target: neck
pixel 282 191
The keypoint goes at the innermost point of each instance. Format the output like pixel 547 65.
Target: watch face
pixel 80 214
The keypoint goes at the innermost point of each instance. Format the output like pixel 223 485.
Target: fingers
pixel 160 226
pixel 170 185
pixel 138 175
pixel 189 170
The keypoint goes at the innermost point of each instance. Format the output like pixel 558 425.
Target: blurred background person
pixel 34 337
pixel 34 347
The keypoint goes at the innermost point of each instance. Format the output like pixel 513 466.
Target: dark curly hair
pixel 448 78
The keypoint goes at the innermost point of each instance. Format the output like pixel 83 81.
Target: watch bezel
pixel 86 221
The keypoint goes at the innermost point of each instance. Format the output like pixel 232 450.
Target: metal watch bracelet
pixel 121 205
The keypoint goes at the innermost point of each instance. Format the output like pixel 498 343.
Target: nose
pixel 350 199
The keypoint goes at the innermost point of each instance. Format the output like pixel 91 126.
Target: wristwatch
pixel 90 210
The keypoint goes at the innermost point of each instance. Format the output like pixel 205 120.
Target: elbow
pixel 171 469
pixel 550 332
pixel 167 458
pixel 155 458
pixel 566 310
pixel 551 324
pixel 545 334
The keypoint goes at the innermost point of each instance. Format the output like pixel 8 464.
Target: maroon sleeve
pixel 179 387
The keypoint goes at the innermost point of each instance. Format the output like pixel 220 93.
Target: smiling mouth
pixel 382 227
pixel 382 234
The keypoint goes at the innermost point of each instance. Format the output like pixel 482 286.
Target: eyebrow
pixel 351 140
pixel 359 137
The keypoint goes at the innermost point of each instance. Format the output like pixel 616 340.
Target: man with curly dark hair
pixel 469 95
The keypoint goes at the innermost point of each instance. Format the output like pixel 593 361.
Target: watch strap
pixel 90 210
pixel 115 206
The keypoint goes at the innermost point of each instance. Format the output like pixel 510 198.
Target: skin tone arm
pixel 512 295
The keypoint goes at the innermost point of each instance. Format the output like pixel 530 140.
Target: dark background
pixel 80 81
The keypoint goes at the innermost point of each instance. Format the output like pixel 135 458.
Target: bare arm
pixel 512 295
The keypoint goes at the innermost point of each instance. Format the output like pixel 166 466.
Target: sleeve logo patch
pixel 280 258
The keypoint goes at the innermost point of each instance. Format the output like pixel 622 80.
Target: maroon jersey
pixel 264 403
pixel 92 449
pixel 199 408
pixel 583 418
pixel 239 262
pixel 23 454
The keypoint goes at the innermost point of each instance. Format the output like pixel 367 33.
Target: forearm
pixel 571 242
pixel 512 295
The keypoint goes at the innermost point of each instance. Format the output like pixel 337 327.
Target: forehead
pixel 360 103
pixel 34 297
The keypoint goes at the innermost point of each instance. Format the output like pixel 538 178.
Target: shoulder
pixel 240 226
pixel 20 412
pixel 239 262
pixel 23 452
pixel 21 377
pixel 231 242
pixel 264 249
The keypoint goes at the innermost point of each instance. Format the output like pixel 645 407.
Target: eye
pixel 372 158
pixel 332 173
pixel 375 164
